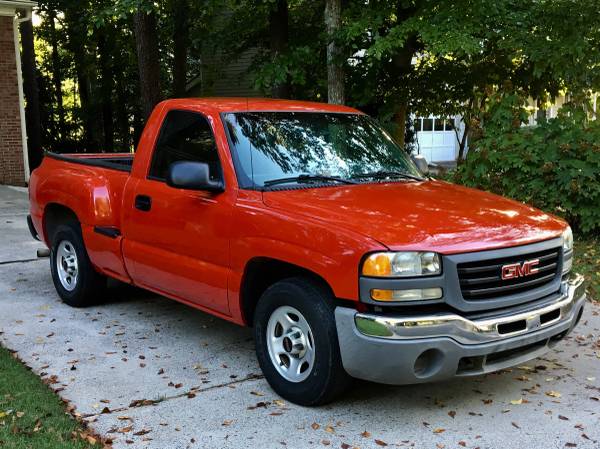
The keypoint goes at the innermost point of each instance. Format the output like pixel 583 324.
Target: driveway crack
pixel 7 262
pixel 139 403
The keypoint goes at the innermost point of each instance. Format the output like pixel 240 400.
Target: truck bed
pixel 114 161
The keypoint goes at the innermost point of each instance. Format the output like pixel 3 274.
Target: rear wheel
pixel 75 279
pixel 296 342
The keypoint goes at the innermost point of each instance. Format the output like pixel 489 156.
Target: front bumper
pixel 413 349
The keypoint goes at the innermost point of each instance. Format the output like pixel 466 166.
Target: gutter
pixel 16 22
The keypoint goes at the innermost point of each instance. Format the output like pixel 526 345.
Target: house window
pixel 449 124
pixel 427 124
pixel 438 124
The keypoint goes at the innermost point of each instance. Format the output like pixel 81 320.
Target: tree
pixel 56 72
pixel 30 89
pixel 148 59
pixel 180 11
pixel 278 34
pixel 335 63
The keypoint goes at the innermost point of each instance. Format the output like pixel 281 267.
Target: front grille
pixel 483 279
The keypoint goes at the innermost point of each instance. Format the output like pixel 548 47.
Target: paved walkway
pixel 152 373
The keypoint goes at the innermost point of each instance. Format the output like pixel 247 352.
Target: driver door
pixel 176 241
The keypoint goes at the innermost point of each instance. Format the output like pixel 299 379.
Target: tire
pixel 76 281
pixel 317 375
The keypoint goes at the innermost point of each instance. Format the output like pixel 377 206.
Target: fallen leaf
pixel 514 424
pixel 452 414
pixel 257 393
pixel 564 418
pixel 142 432
pixel 315 426
pixel 439 430
pixel 329 429
pixel 517 401
pixel 553 394
pixel 325 442
pixel 365 434
pixel 227 422
pixel 380 443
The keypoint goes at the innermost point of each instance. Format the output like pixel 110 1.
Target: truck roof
pixel 239 104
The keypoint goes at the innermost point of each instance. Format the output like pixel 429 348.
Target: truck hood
pixel 430 215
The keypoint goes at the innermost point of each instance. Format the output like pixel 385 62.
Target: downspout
pixel 16 22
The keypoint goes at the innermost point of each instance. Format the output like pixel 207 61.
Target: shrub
pixel 554 165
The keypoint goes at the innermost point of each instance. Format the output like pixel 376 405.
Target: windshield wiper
pixel 307 179
pixel 388 174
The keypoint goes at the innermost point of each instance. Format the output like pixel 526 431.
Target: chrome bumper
pixel 475 331
pixel 413 349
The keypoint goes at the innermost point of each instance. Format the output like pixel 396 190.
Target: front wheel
pixel 296 342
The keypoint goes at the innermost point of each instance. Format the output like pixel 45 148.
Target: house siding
pixel 225 75
pixel 12 170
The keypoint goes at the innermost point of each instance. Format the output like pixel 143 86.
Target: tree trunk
pixel 180 46
pixel 399 120
pixel 278 32
pixel 401 63
pixel 106 88
pixel 335 64
pixel 462 144
pixel 146 42
pixel 56 74
pixel 84 62
pixel 30 89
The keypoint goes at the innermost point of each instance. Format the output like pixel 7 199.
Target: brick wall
pixel 11 147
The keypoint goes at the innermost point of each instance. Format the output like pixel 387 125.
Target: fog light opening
pixel 428 363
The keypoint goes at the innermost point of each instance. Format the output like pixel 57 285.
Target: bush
pixel 554 166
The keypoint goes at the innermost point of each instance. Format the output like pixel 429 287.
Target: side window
pixel 184 136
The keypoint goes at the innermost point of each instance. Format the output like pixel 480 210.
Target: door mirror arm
pixel 193 176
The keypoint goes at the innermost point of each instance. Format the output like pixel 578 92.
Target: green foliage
pixel 554 166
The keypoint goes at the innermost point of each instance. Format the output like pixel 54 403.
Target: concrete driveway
pixel 152 373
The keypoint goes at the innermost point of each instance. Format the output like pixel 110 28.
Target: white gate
pixel 436 137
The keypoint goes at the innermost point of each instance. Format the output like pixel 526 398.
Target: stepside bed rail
pixel 117 161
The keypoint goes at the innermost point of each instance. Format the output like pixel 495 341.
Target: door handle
pixel 143 202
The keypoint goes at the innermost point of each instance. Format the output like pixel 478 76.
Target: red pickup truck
pixel 307 222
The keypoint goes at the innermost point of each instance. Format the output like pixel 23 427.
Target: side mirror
pixel 192 176
pixel 421 163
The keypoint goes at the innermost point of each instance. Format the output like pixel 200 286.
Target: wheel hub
pixel 294 342
pixel 290 343
pixel 67 266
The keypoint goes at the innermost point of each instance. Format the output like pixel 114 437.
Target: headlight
pixel 402 264
pixel 567 237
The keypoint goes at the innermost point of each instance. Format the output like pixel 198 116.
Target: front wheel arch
pixel 262 272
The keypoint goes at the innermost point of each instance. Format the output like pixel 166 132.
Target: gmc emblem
pixel 518 270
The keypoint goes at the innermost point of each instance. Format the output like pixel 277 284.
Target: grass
pixel 31 415
pixel 587 262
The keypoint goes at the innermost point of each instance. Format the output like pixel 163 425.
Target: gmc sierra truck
pixel 309 223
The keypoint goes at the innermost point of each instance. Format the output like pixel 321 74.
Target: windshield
pixel 269 146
